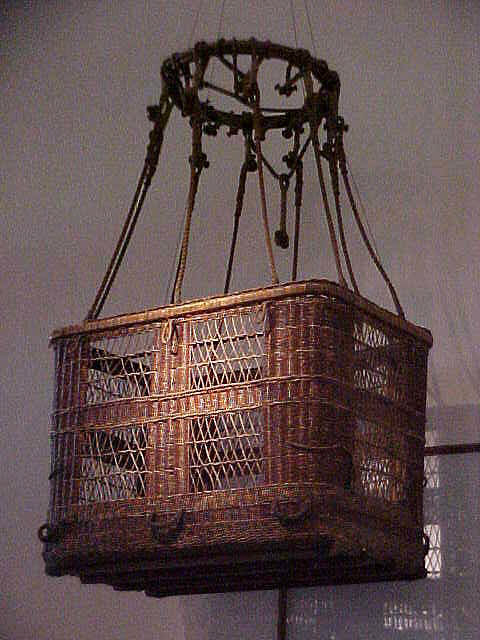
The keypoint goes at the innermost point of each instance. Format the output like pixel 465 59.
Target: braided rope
pixel 194 179
pixel 160 116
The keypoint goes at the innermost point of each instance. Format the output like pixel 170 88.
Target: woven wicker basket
pixel 273 437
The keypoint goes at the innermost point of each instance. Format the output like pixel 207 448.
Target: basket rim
pixel 258 295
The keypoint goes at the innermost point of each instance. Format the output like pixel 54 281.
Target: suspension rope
pixel 263 199
pixel 160 115
pixel 246 166
pixel 197 163
pixel 258 136
pixel 333 164
pixel 362 207
pixel 298 206
pixel 373 255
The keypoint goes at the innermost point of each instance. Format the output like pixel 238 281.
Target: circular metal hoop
pixel 184 76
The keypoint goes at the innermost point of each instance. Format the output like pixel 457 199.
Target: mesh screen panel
pixel 226 451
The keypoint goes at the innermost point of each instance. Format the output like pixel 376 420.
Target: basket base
pixel 235 569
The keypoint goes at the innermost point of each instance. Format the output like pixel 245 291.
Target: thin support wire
pixel 292 13
pixel 161 117
pixel 298 207
pixel 220 20
pixel 343 241
pixel 362 207
pixel 375 258
pixel 195 23
pixel 310 27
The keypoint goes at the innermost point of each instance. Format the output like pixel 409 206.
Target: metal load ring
pixel 184 76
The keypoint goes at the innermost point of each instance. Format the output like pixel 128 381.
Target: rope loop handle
pixel 49 534
pixel 168 530
pixel 292 512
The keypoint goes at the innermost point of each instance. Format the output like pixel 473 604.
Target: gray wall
pixel 75 79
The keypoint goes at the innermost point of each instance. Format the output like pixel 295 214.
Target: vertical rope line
pixel 378 264
pixel 236 223
pixel 194 178
pixel 175 261
pixel 328 215
pixel 263 199
pixel 298 206
pixel 341 231
pixel 362 207
pixel 119 251
pixel 220 20
pixel 292 13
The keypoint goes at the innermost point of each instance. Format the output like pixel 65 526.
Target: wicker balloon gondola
pixel 272 437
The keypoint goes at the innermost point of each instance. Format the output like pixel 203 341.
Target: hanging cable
pixel 258 136
pixel 376 260
pixel 197 162
pixel 220 20
pixel 298 206
pixel 195 23
pixel 263 200
pixel 333 165
pixel 318 159
pixel 309 21
pixel 160 116
pixel 328 215
pixel 292 15
pixel 362 207
pixel 249 164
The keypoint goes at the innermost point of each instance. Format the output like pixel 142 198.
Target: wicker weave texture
pixel 284 421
